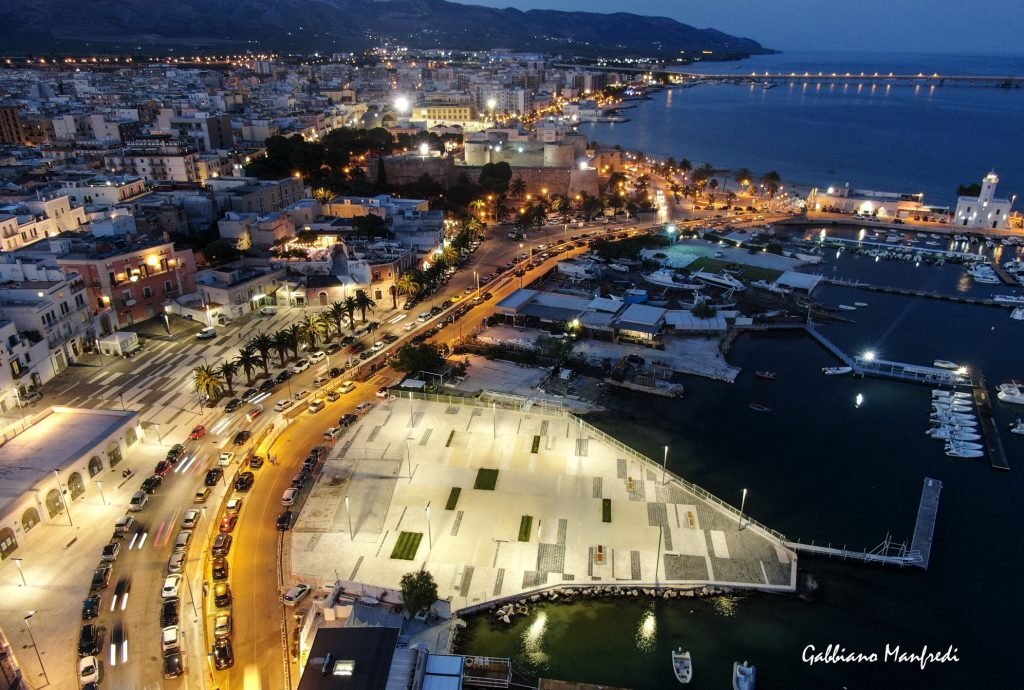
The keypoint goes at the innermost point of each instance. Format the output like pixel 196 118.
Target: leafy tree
pixel 419 591
pixel 517 188
pixel 370 226
pixel 248 359
pixel 206 382
pixel 413 359
pixel 973 189
pixel 495 177
pixel 220 251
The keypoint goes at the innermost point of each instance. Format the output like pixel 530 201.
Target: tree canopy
pixel 419 591
pixel 220 251
pixel 413 359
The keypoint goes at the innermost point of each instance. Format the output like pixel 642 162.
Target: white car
pixel 377 346
pixel 346 387
pixel 207 333
pixel 283 405
pixel 222 626
pixel 332 433
pixel 424 316
pixel 191 518
pixel 300 366
pixel 316 405
pixel 410 326
pixel 171 585
pixel 268 310
pixel 295 595
pixel 170 639
pixel 363 407
pixel 175 563
pixel 224 459
pixel 289 496
pixel 88 670
pixel 317 357
pixel 233 507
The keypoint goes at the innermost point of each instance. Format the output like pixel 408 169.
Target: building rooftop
pixel 53 443
pixel 358 659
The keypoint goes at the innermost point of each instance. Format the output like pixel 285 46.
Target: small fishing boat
pixel 758 407
pixel 743 676
pixel 836 371
pixel 949 434
pixel 1017 314
pixel 966 445
pixel 1015 300
pixel 766 375
pixel 945 364
pixel 857 304
pixel 847 307
pixel 682 666
pixel 1011 392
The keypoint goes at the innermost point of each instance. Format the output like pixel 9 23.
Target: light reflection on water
pixel 726 606
pixel 646 631
pixel 533 639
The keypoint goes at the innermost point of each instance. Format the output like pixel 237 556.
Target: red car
pixel 162 468
pixel 227 523
pixel 254 412
pixel 198 432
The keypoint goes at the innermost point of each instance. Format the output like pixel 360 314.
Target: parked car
pixel 170 587
pixel 255 461
pixel 333 432
pixel 295 595
pixel 213 476
pixel 151 484
pixel 88 670
pixel 182 541
pixel 123 525
pixel 222 594
pixel 220 569
pixel 202 495
pixel 91 607
pixel 289 496
pixel 268 385
pixel 207 333
pixel 242 436
pixel 268 310
pixel 363 407
pixel 346 387
pixel 198 431
pixel 88 640
pixel 223 656
pixel 232 405
pixel 222 626
pixel 175 453
pixel 162 468
pixel 335 372
pixel 283 405
pixel 225 458
pixel 317 357
pixel 233 507
pixel 319 381
pixel 383 392
pixel 299 395
pixel 191 518
pixel 300 366
pixel 227 524
pixel 138 501
pixel 316 405
pixel 221 545
pixel 176 563
pixel 250 393
pixel 245 481
pixel 284 521
pixel 333 396
pixel 378 346
pixel 169 612
pixel 347 420
pixel 170 638
pixel 110 552
pixel 173 664
pixel 283 376
pixel 299 480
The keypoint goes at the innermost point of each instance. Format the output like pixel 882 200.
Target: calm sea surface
pixel 898 138
pixel 822 468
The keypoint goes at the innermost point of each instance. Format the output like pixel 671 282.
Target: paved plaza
pixel 566 507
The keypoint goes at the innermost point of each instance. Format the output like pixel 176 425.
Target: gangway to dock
pixel 889 552
pixel 836 351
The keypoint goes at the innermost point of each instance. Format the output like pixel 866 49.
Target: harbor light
pixel 424 149
pixel 869 356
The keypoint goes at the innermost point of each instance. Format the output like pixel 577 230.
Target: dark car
pixel 434 311
pixel 299 480
pixel 389 338
pixel 213 476
pixel 283 376
pixel 335 372
pixel 220 569
pixel 169 612
pixel 357 347
pixel 267 386
pixel 173 665
pixel 256 462
pixel 88 640
pixel 223 656
pixel 174 454
pixel 348 419
pixel 284 521
pixel 487 296
pixel 162 468
pixel 232 405
pixel 91 607
pixel 242 436
pixel 244 481
pixel 101 577
pixel 348 339
pixel 221 545
pixel 372 326
pixel 152 483
pixel 250 393
pixel 366 355
pixel 222 594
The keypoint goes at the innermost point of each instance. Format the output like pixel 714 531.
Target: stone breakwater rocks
pixel 507 612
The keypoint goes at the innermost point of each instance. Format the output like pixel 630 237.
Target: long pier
pixel 981 301
pixel 993 442
pixel 888 552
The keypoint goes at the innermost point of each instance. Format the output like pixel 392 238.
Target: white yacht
pixel 957 452
pixel 945 364
pixel 722 280
pixel 983 273
pixel 1015 300
pixel 948 433
pixel 1011 392
pixel 836 371
pixel 666 277
pixel 960 395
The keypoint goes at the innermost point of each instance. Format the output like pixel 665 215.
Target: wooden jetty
pixel 907 292
pixel 924 528
pixel 989 430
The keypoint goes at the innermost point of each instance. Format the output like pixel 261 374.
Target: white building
pixel 985 211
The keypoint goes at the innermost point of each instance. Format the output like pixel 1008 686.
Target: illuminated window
pixel 344 668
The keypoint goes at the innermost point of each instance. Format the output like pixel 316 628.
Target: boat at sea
pixel 847 307
pixel 766 375
pixel 954 418
pixel 983 273
pixel 836 371
pixel 860 304
pixel 945 364
pixel 666 277
pixel 954 406
pixel 1016 300
pixel 966 445
pixel 682 666
pixel 744 676
pixel 722 280
pixel 758 407
pixel 1011 392
pixel 1017 314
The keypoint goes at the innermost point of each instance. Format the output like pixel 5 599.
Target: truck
pixel 120 343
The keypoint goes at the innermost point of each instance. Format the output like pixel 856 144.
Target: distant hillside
pixel 306 26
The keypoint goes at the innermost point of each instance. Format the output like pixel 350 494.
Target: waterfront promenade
pixel 500 502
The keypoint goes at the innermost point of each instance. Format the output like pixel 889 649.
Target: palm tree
pixel 450 255
pixel 227 371
pixel 771 180
pixel 294 332
pixel 314 327
pixel 350 308
pixel 407 284
pixel 247 360
pixel 676 189
pixel 206 382
pixel 744 177
pixel 336 313
pixel 478 207
pixel 394 295
pixel 685 166
pixel 364 302
pixel 263 344
pixel 281 343
pixel 517 187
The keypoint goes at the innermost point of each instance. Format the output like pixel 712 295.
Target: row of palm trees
pixel 260 351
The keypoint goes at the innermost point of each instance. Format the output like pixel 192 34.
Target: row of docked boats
pixel 744 676
pixel 983 273
pixel 954 422
pixel 666 277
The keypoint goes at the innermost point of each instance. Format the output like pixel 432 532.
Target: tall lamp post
pixel 430 540
pixel 32 637
pixel 743 502
pixel 60 492
pixel 348 512
pixel 17 562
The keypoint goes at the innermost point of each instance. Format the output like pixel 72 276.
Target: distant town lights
pixel 424 149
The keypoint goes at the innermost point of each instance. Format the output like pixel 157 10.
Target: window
pixel 343 668
pixel 126 295
pixel 147 292
pixel 64 308
pixel 167 286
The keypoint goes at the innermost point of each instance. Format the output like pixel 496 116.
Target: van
pixel 207 333
pixel 268 310
pixel 138 502
pixel 183 539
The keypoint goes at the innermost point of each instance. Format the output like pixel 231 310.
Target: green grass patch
pixel 525 527
pixel 536 444
pixel 450 437
pixel 486 480
pixel 407 545
pixel 712 265
pixel 606 510
pixel 453 498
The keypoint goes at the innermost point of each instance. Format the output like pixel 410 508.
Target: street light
pixel 743 502
pixel 60 492
pixel 17 562
pixel 32 637
pixel 99 485
pixel 664 467
pixel 348 512
pixel 430 540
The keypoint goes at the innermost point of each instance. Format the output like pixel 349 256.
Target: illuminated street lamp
pixel 402 104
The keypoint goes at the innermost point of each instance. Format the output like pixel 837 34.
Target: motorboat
pixel 766 375
pixel 947 403
pixel 948 434
pixel 758 407
pixel 1017 427
pixel 1015 300
pixel 958 419
pixel 983 273
pixel 836 371
pixel 847 307
pixel 743 676
pixel 857 304
pixel 666 277
pixel 682 665
pixel 1017 314
pixel 771 287
pixel 954 452
pixel 959 395
pixel 1011 392
pixel 722 280
pixel 966 445
pixel 952 408
pixel 945 364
